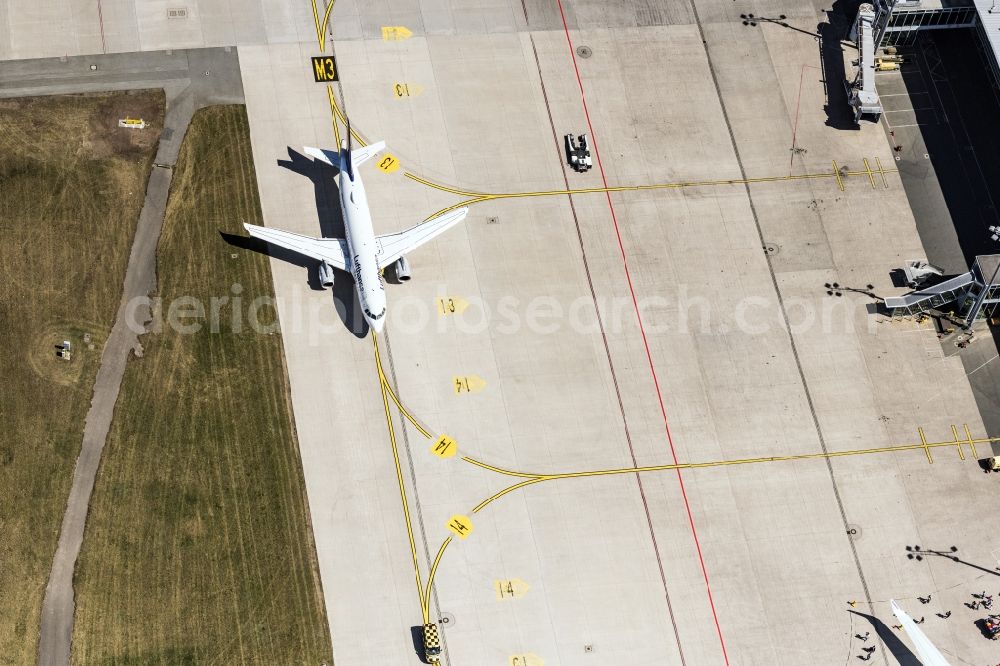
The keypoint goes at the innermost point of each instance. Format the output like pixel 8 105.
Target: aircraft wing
pixel 928 654
pixel 394 246
pixel 331 250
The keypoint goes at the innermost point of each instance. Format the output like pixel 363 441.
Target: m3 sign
pixel 325 69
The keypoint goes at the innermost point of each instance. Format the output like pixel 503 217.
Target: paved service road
pixel 191 79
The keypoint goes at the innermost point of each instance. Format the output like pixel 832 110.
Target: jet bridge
pixel 861 92
pixel 970 296
pixel 931 298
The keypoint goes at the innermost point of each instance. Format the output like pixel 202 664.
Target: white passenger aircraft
pixel 361 253
pixel 927 652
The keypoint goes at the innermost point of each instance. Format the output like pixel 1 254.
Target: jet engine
pixel 326 275
pixel 402 267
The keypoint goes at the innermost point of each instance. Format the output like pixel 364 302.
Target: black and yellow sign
pixel 325 69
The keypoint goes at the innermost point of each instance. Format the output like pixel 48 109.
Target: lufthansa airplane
pixel 362 254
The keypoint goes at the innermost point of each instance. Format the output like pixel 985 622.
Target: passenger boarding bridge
pixel 883 23
pixel 861 93
pixel 969 296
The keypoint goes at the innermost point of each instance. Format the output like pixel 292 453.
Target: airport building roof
pixel 989 25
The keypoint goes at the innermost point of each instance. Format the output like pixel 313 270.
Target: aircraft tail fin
pixel 362 155
pixel 346 159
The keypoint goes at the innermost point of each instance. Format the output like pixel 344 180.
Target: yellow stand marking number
pixel 402 90
pixel 395 33
pixel 388 163
pixel 448 305
pixel 526 660
pixel 444 447
pixel 460 525
pixel 468 384
pixel 510 588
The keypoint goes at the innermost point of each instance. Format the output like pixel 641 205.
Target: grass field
pixel 198 547
pixel 71 187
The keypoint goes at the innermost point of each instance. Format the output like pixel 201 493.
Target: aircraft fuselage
pixel 363 247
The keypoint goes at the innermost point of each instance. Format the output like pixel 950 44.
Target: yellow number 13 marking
pixel 388 163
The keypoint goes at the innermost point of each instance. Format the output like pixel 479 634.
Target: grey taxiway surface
pixel 191 79
pixel 746 353
pixel 741 563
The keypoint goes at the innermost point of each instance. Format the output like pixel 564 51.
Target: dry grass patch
pixel 198 547
pixel 67 218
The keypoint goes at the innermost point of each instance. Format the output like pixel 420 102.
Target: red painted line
pixel 100 17
pixel 642 330
pixel 611 367
pixel 795 128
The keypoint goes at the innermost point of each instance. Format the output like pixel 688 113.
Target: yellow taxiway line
pixel 535 477
pixel 475 197
pixel 399 477
pixel 478 197
pixel 530 478
pixel 924 445
pixel 426 601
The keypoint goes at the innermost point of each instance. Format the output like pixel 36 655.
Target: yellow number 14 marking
pixel 510 588
pixel 468 384
pixel 460 525
pixel 444 447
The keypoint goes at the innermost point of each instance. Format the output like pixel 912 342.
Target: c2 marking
pixel 325 69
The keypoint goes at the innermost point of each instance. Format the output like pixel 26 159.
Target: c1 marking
pixel 325 69
pixel 402 90
pixel 388 163
pixel 460 525
pixel 444 447
pixel 529 659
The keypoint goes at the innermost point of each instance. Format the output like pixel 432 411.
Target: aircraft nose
pixel 377 325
